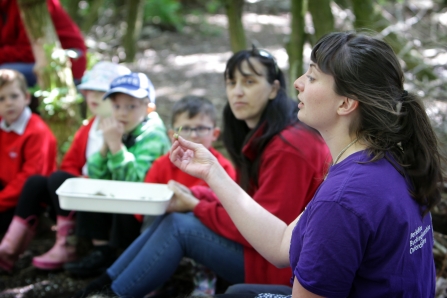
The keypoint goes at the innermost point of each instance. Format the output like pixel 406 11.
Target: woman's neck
pixel 343 146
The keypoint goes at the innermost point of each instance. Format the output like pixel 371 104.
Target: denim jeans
pixel 25 68
pixel 154 256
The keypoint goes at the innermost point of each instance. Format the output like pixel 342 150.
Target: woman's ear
pixel 275 88
pixel 348 106
pixel 151 107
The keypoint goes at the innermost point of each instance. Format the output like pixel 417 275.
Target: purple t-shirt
pixel 362 235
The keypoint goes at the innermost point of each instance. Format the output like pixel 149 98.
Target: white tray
pixel 96 195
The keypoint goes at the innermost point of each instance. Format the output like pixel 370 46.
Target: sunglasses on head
pixel 265 54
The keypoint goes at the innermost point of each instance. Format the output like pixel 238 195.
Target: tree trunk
pixel 322 17
pixel 72 9
pixel 52 68
pixel 92 16
pixel 234 9
pixel 364 14
pixel 134 25
pixel 368 17
pixel 296 43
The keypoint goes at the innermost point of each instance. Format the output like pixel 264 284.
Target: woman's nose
pixel 298 84
pixel 238 89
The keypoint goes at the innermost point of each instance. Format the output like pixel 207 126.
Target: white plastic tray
pixel 95 195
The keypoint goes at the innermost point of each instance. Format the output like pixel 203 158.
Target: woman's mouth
pixel 239 104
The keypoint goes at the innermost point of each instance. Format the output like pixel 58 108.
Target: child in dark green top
pixel 133 138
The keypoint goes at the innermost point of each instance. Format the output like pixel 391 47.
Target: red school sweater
pixel 163 170
pixel 21 156
pixel 14 42
pixel 292 167
pixel 75 158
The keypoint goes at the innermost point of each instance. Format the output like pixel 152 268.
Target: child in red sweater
pixel 40 189
pixel 197 118
pixel 27 145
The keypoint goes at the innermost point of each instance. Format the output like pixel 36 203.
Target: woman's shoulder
pixel 359 180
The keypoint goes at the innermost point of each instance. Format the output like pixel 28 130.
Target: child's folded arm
pixel 97 167
pixel 133 166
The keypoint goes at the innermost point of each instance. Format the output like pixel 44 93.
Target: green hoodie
pixel 145 144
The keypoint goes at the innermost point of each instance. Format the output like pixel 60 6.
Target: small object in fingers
pixel 177 133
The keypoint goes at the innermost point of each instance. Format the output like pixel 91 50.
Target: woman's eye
pixel 230 83
pixel 311 79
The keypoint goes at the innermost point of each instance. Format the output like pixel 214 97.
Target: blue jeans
pixel 154 256
pixel 25 68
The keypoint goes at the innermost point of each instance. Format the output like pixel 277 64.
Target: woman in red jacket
pixel 279 162
pixel 15 48
pixel 40 189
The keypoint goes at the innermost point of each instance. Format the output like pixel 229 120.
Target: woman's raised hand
pixel 192 158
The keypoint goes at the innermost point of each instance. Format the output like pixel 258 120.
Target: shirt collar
pixel 250 150
pixel 19 125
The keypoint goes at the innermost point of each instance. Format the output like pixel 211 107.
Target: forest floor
pixel 192 62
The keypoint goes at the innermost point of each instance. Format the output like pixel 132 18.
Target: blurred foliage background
pixel 183 46
pixel 138 32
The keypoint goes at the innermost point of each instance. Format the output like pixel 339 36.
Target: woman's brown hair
pixel 391 120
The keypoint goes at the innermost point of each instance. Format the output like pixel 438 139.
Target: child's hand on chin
pixel 112 131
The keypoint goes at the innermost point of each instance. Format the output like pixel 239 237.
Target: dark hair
pixel 277 115
pixel 391 120
pixel 194 105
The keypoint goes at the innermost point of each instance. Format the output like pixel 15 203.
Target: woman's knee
pixel 181 222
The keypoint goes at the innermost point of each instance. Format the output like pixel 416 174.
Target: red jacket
pixel 15 45
pixel 21 156
pixel 75 158
pixel 288 179
pixel 163 170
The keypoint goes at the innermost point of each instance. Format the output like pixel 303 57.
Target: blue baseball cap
pixel 135 84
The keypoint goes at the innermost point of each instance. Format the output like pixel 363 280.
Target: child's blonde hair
pixel 7 76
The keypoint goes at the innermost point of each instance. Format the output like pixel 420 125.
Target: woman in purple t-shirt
pixel 367 232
